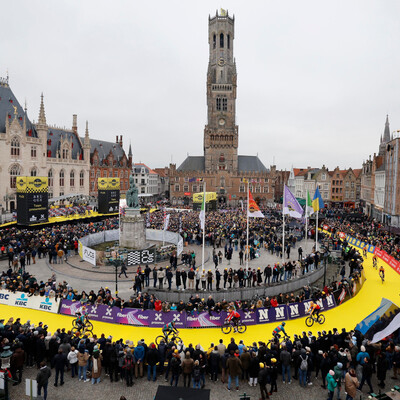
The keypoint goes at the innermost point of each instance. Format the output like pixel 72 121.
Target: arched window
pixel 33 171
pixel 50 178
pixel 82 179
pixel 214 41
pixel 62 178
pixel 14 172
pixel 65 153
pixel 15 147
pixel 221 40
pixel 72 179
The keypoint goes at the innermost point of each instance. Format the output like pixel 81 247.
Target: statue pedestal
pixel 132 234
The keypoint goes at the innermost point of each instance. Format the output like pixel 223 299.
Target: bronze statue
pixel 132 197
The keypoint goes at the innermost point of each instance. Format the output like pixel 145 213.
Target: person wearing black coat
pixel 325 366
pixel 381 368
pixel 366 375
pixel 59 362
pixel 153 358
pixel 213 362
pixel 263 380
pixel 254 369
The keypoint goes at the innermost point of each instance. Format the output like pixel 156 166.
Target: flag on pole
pixel 290 204
pixel 241 204
pixel 253 210
pixel 180 223
pixel 309 207
pixel 166 222
pixel 317 202
pixel 202 214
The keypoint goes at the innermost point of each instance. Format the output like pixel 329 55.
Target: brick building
pixel 224 171
pixel 108 160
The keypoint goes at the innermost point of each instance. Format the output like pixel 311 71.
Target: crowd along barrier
pixel 154 319
pixel 21 299
pixel 393 263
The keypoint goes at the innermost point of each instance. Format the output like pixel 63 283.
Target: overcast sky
pixel 315 79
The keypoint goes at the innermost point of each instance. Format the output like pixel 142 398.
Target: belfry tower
pixel 221 131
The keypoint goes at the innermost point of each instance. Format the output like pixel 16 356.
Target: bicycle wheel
pixel 242 328
pixel 321 318
pixel 226 328
pixel 159 338
pixel 309 321
pixel 74 324
pixel 89 326
pixel 176 339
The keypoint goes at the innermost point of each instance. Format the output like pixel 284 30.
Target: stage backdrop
pixel 108 198
pixel 32 200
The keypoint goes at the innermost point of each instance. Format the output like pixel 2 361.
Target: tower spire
pixel 130 150
pixel 386 134
pixel 42 115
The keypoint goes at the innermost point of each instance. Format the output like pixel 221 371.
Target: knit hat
pixel 273 360
pixel 176 351
pixel 261 365
pixel 331 372
pixel 340 365
pixel 363 349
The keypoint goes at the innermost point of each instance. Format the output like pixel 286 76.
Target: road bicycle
pixel 320 318
pixel 228 325
pixel 276 340
pixel 174 338
pixel 86 329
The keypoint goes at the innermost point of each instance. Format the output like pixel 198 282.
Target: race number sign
pixel 141 257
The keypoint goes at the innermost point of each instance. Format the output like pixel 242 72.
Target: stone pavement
pixel 144 390
pixel 83 276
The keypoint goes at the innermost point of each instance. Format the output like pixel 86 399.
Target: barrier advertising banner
pixel 87 254
pixel 154 319
pixel 20 299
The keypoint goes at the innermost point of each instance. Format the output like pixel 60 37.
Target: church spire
pixel 42 115
pixel 386 134
pixel 87 140
pixel 130 150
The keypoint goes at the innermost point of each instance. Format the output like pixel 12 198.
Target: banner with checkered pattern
pixel 141 257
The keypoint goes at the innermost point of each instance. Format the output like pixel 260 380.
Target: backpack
pixel 304 363
pixel 128 363
pixel 196 374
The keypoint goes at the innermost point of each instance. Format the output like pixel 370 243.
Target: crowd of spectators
pixel 339 361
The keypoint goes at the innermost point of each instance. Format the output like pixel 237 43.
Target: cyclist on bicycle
pixel 234 317
pixel 382 273
pixel 374 261
pixel 168 329
pixel 278 329
pixel 80 320
pixel 314 309
pixel 365 253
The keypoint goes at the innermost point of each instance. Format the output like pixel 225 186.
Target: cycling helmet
pixel 173 323
pixel 283 323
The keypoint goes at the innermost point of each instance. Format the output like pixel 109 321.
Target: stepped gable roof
pixel 7 103
pixel 103 149
pixel 192 163
pixel 54 135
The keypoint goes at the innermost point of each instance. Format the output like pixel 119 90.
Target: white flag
pixel 202 214
pixel 166 222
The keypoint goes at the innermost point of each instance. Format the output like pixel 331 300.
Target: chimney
pixel 116 139
pixel 120 140
pixel 74 123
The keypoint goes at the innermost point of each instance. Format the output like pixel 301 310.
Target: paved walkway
pixel 83 276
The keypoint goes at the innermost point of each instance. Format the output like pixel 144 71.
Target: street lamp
pixel 117 263
pixel 5 364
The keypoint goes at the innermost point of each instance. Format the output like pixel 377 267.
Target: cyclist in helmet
pixel 382 273
pixel 314 309
pixel 234 317
pixel 280 328
pixel 168 329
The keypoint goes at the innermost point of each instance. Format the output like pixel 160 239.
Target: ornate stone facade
pixel 28 149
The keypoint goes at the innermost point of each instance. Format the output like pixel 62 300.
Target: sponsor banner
pixel 20 299
pixel 155 319
pixel 388 259
pixel 204 320
pixel 87 254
